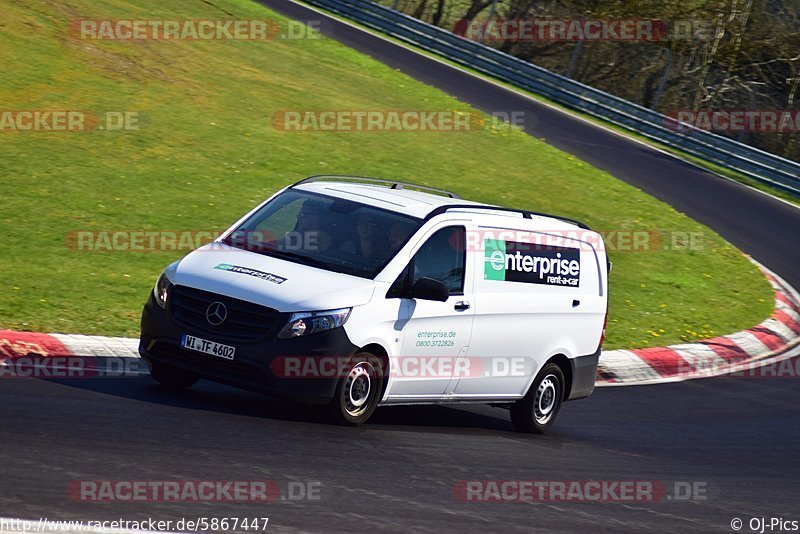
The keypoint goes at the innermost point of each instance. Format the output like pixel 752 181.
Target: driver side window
pixel 443 257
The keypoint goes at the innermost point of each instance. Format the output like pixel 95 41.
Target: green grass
pixel 207 152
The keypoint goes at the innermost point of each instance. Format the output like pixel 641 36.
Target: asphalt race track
pixel 734 437
pixel 397 473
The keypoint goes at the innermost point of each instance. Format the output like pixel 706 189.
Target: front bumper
pixel 250 369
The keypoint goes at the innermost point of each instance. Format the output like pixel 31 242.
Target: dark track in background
pixel 760 225
pixel 736 435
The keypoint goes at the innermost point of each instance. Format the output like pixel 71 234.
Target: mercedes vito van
pixel 356 292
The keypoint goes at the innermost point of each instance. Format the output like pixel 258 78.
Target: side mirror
pixel 430 289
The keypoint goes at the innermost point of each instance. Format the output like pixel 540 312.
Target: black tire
pixel 358 391
pixel 172 377
pixel 538 410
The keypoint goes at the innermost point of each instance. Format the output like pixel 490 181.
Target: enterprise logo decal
pixel 530 263
pixel 269 277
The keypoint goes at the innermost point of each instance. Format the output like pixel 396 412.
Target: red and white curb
pixel 767 343
pixel 763 345
pixel 68 355
pixel 17 344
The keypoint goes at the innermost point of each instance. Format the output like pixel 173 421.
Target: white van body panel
pixel 520 307
pixel 511 324
pixel 300 287
pixel 528 324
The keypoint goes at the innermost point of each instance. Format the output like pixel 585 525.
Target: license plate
pixel 212 348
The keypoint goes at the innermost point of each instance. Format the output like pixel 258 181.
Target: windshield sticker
pixel 251 272
pixel 530 263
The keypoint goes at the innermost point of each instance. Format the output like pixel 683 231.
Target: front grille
pixel 245 321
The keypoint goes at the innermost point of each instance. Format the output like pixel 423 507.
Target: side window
pixel 443 257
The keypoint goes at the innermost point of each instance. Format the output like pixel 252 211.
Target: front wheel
pixel 359 390
pixel 538 409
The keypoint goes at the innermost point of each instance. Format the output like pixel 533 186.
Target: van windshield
pixel 330 233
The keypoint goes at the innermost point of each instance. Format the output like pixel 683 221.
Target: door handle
pixel 461 305
pixel 576 303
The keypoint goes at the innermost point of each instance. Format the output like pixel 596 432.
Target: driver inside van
pixel 308 233
pixel 369 240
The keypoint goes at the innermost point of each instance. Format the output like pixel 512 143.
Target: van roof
pixel 416 200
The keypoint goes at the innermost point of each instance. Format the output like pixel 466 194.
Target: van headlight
pixel 160 290
pixel 305 323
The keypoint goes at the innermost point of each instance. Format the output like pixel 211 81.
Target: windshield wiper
pixel 271 249
pixel 313 262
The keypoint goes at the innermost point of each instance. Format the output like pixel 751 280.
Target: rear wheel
pixel 359 390
pixel 172 377
pixel 537 411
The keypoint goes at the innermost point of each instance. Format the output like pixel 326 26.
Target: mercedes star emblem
pixel 216 313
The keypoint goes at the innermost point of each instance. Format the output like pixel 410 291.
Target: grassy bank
pixel 206 151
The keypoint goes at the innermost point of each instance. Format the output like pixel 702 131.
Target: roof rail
pixel 392 184
pixel 525 213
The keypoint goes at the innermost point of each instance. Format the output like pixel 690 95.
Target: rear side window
pixel 443 257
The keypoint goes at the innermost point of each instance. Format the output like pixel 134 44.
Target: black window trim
pixel 406 275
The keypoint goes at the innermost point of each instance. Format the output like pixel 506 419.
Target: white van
pixel 357 292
